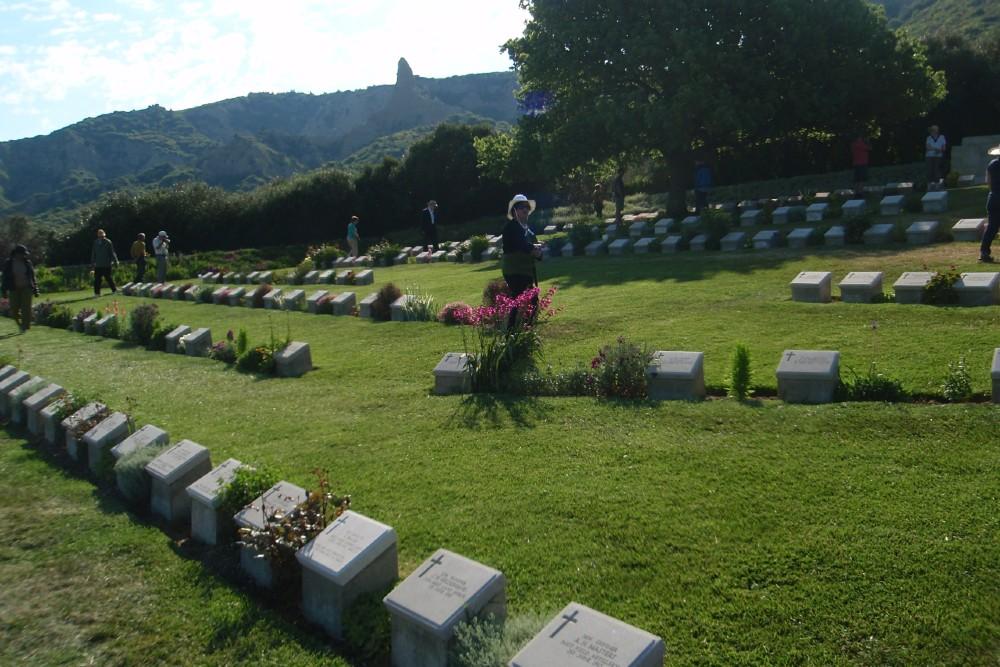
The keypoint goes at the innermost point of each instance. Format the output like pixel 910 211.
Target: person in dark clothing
pixel 702 185
pixel 520 250
pixel 19 285
pixel 992 205
pixel 618 194
pixel 102 258
pixel 429 222
pixel 597 199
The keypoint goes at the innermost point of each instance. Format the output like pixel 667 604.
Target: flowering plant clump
pixel 142 322
pixel 620 370
pixel 493 288
pixel 506 340
pixel 224 350
pixel 41 312
pixel 456 312
pixel 940 289
pixel 80 317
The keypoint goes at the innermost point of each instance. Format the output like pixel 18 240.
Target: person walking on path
pixel 161 248
pixel 102 258
pixel 19 285
pixel 618 194
pixel 429 222
pixel 352 235
pixel 860 148
pixel 992 204
pixel 139 255
pixel 935 147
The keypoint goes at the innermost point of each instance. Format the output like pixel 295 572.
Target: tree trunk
pixel 679 166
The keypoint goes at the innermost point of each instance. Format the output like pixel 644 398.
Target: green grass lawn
pixel 741 533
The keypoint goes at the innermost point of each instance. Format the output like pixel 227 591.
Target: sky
pixel 65 60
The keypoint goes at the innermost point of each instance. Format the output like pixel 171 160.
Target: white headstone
pixel 144 437
pixel 935 202
pixel 800 237
pixel 672 243
pixel 674 375
pixel 197 343
pixel 922 232
pixel 34 404
pixel 451 375
pixel 343 303
pixel 877 234
pixel 235 295
pixel 861 287
pixel 293 360
pixel 620 247
pixel 663 226
pixel 327 277
pixel 835 236
pixel 733 241
pixel 909 287
pixel 891 205
pixel 175 336
pixel 969 229
pixel 293 299
pixel 854 207
pixel 751 217
pixel 644 245
pixel 364 277
pixel 817 211
pixel 271 299
pixel 172 472
pixel 595 248
pixel 812 286
pixel 207 526
pixel 766 238
pixel 365 305
pixel 398 308
pixel 808 376
pixel 100 439
pixel 8 385
pixel 978 289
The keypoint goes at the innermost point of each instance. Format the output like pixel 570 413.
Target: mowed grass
pixel 740 533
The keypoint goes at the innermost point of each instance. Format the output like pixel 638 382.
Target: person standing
pixel 860 149
pixel 139 254
pixel 429 222
pixel 352 235
pixel 102 258
pixel 161 248
pixel 935 146
pixel 618 194
pixel 19 285
pixel 597 198
pixel 702 185
pixel 520 250
pixel 992 204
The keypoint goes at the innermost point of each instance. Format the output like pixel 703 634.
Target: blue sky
pixel 64 60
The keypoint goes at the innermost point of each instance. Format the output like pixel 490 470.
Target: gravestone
pixel 191 293
pixel 854 207
pixel 401 258
pixel 766 239
pixel 733 241
pixel 491 253
pixel 100 439
pixel 145 289
pixel 438 255
pixel 171 291
pixel 644 245
pixel 935 202
pixel 253 277
pixel 672 243
pixel 127 288
pixel 663 226
pixel 580 637
pixel 294 299
pixel 909 287
pixel 812 287
pixel 426 606
pixel 844 193
pixel 146 436
pixel 365 305
pixel 567 250
pixel 353 555
pixel 978 289
pixel 365 277
pixel 874 190
pixel 326 277
pixel 7 371
pixel 344 277
pixel 220 295
pixel 105 325
pixel 84 414
pixel 343 303
pixel 751 217
pixel 835 236
pixel 699 242
pixel 51 421
pixel 786 214
pixel 550 229
pixel 611 231
pixel 891 205
pixel 8 385
pixel 637 229
pixel 229 277
pixel 995 375
pixel 198 342
pixel 422 258
pixel 239 278
pixel 595 248
pixel 235 296
pixel 34 404
pixel 341 261
pixel 453 256
pixel 265 277
pixel 676 376
pixel 272 299
pixel 922 232
pixel 878 234
pixel 293 361
pixel 209 277
pixel 690 222
pixel 14 399
pixel 310 279
pixel 208 526
pixel 969 229
pixel 451 375
pixel 817 211
pixel 800 237
pixel 966 180
pixel 620 247
pixel 808 376
pixel 312 302
pixel 171 473
pixel 861 287
pixel 398 308
pixel 90 324
pixel 174 337
pixel 282 497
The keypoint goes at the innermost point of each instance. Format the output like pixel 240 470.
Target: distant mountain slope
pixel 971 18
pixel 241 142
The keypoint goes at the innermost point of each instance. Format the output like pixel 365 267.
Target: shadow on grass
pixel 478 410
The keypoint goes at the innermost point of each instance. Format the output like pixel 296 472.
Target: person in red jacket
pixel 860 148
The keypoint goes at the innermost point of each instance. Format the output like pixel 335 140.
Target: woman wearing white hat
pixel 161 248
pixel 520 249
pixel 992 204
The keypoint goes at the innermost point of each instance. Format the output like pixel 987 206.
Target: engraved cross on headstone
pixel 339 522
pixel 788 357
pixel 566 619
pixel 434 561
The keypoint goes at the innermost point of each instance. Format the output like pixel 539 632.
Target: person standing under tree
pixel 597 198
pixel 19 285
pixel 161 248
pixel 992 204
pixel 520 250
pixel 139 254
pixel 429 222
pixel 352 235
pixel 618 193
pixel 935 145
pixel 860 148
pixel 102 259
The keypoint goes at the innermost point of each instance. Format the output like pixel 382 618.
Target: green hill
pixel 974 19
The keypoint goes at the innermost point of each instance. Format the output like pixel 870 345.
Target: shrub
pixel 456 312
pixel 247 484
pixel 740 373
pixel 581 234
pixel 257 299
pixel 324 255
pixel 855 228
pixel 223 351
pixel 142 323
pixel 41 312
pixel 130 470
pixel 715 224
pixel 940 289
pixel 872 386
pixel 957 384
pixel 419 307
pixel 205 294
pixel 493 289
pixel 381 309
pixel 620 369
pixel 384 253
pixel 912 203
pixel 304 267
pixel 259 359
pixel 241 342
pixel 61 317
pixel 79 317
pixel 158 341
pixel 485 642
pixel 477 246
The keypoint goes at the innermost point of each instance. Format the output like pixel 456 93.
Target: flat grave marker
pixel 978 289
pixel 282 497
pixel 208 526
pixel 294 360
pixel 100 439
pixel 909 287
pixel 172 472
pixel 451 375
pixel 808 376
pixel 861 287
pixel 812 287
pixel 673 375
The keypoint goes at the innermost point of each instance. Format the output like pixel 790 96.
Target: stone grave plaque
pixel 175 336
pixel 995 375
pixel 398 308
pixel 965 180
pixel 451 375
pixel 343 303
pixel 90 324
pixel 880 233
pixel 326 277
pixel 272 299
pixel 352 556
pixel 344 277
pixel 835 236
pixel 293 299
pixel 620 247
pixel 253 276
pixel 808 376
pixel 365 305
pixel 235 295
pixel 452 256
pixel 364 277
pixel 422 258
pixel 751 217
pixel 699 242
pixel 909 287
pixel 312 302
pixel 311 277
pixel 676 376
pixel 7 371
pixel 427 605
pixel 198 342
pixel 144 437
pixel 891 205
pixel 8 385
pixel 766 239
pixel 207 525
pixel 282 497
pixel 922 232
pixel 595 248
pixel 690 221
pixel 801 236
pixel 644 245
pixel 438 255
pixel 401 258
pixel 51 423
pixel 84 414
pixel 294 360
pixel 733 241
pixel 812 286
pixel 220 295
pixel 191 293
pixel 663 226
pixel 34 404
pixel 935 202
pixel 127 288
pixel 15 398
pixel 969 229
pixel 854 207
pixel 816 212
pixel 172 472
pixel 264 277
pixel 578 635
pixel 672 243
pixel 172 291
pixel 100 439
pixel 978 289
pixel 861 286
pixel 637 229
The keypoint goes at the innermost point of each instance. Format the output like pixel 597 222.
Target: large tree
pixel 672 77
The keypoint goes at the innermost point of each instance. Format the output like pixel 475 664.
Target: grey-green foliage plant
pixel 488 643
pixel 420 307
pixel 477 246
pixel 242 342
pixel 873 386
pixel 957 384
pixel 740 374
pixel 130 470
pixel 248 483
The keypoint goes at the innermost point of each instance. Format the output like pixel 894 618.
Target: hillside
pixel 241 142
pixel 925 18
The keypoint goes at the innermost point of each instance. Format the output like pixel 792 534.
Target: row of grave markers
pixel 352 556
pixel 973 288
pixel 316 276
pixel 804 376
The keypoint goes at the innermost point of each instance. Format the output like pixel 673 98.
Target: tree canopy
pixel 678 76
